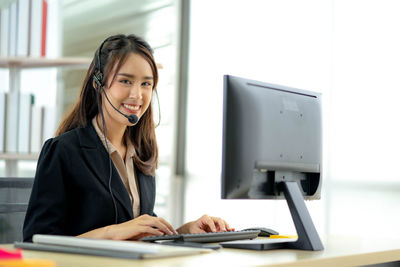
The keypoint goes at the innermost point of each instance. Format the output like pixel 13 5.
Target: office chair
pixel 14 198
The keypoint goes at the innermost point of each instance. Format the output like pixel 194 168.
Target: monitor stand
pixel 308 238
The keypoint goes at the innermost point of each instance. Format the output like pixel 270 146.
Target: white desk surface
pixel 339 251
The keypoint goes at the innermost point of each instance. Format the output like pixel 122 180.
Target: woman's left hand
pixel 205 224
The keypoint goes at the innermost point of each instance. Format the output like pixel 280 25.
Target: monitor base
pixel 257 244
pixel 308 238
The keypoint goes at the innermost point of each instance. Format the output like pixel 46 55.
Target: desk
pixel 339 251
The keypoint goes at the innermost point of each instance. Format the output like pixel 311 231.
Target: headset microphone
pixel 131 118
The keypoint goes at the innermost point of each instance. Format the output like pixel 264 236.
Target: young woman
pixel 96 177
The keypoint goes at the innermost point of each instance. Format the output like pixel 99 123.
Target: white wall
pixel 349 51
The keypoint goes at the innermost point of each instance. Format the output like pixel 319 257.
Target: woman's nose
pixel 136 91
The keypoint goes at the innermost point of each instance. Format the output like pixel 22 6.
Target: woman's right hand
pixel 134 229
pixel 139 227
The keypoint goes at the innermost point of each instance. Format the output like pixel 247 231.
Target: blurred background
pixel 346 49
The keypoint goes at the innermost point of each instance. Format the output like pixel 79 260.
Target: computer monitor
pixel 272 149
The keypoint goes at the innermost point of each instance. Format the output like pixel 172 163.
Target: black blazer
pixel 70 194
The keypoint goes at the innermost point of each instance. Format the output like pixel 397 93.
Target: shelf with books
pixel 24 125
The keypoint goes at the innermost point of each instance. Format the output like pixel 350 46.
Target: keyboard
pixel 205 237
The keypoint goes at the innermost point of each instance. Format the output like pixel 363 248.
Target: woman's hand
pixel 134 229
pixel 205 224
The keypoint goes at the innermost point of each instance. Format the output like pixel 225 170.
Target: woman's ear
pixel 94 85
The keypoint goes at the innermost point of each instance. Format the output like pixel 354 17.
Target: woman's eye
pixel 125 81
pixel 146 84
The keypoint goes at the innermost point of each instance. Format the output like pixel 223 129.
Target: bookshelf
pixel 15 65
pixel 17 156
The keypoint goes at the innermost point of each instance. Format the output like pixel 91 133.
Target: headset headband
pixel 98 75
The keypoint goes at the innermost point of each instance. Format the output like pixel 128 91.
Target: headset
pixel 98 78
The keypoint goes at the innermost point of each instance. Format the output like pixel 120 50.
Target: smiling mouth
pixel 132 108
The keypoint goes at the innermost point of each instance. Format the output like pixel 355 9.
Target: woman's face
pixel 131 90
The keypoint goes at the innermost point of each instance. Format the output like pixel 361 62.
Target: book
pixel 35 41
pixel 24 119
pixel 2 120
pixel 44 28
pixel 4 31
pixel 11 140
pixel 12 36
pixel 22 27
pixel 36 140
pixel 49 122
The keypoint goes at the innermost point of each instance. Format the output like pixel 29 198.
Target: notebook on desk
pixel 107 248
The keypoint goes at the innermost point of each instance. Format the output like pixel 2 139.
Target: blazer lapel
pixel 98 161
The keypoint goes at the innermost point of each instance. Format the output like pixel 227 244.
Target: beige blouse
pixel 124 167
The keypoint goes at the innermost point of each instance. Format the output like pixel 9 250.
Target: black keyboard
pixel 205 237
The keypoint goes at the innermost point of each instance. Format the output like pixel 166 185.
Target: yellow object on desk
pixel 283 236
pixel 27 263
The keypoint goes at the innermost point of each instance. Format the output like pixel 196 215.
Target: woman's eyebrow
pixel 133 76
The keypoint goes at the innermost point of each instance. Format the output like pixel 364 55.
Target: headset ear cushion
pixel 97 79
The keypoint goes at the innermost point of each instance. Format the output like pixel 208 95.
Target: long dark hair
pixel 114 52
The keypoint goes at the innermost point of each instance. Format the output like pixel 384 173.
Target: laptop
pixel 106 248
